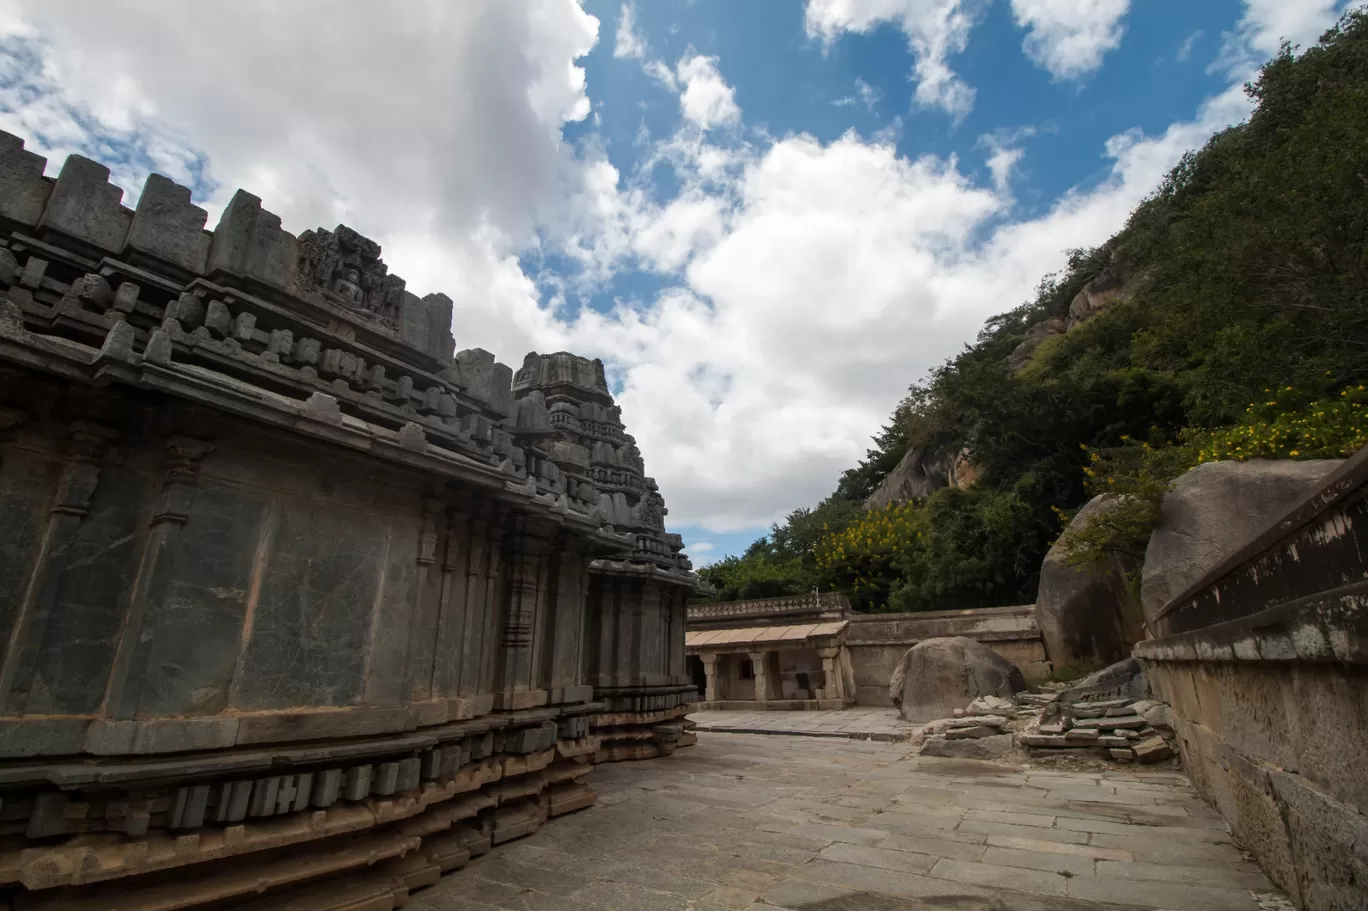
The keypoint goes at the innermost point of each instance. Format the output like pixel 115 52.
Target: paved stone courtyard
pixel 753 822
pixel 857 723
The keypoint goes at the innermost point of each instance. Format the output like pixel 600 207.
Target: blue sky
pixel 768 218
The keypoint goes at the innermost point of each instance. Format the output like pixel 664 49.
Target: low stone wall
pixel 1271 713
pixel 1266 668
pixel 875 643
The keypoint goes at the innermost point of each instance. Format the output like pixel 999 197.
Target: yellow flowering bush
pixel 1286 425
pixel 862 558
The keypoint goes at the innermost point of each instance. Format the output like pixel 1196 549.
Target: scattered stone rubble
pixel 1120 730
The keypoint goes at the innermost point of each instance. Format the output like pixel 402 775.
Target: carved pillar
pixel 180 477
pixel 89 444
pixel 833 683
pixel 710 671
pixel 760 664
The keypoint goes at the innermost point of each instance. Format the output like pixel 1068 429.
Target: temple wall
pixel 294 592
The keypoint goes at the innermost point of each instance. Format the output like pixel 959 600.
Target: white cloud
pixel 843 272
pixel 865 94
pixel 936 30
pixel 810 282
pixel 707 100
pixel 1185 51
pixel 628 44
pixel 1267 23
pixel 661 72
pixel 1070 37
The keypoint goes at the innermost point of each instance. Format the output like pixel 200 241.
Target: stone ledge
pixel 1330 626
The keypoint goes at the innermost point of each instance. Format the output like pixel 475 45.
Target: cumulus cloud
pixel 707 100
pixel 806 282
pixel 1070 37
pixel 936 30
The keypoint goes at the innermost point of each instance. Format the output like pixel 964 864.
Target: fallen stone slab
pixel 1153 749
pixel 1082 734
pixel 1054 728
pixel 974 733
pixel 990 705
pixel 1122 755
pixel 1124 721
pixel 994 747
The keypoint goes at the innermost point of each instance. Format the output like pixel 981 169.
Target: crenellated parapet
pixel 292 589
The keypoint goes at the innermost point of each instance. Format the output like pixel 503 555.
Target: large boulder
pixel 1210 513
pixel 1088 616
pixel 937 676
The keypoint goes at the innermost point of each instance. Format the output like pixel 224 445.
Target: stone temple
pixel 303 607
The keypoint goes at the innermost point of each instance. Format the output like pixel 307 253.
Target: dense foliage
pixel 1244 273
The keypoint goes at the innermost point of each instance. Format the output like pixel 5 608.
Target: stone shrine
pixel 304 608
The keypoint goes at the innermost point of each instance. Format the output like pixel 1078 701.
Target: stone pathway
pixel 856 723
pixel 819 824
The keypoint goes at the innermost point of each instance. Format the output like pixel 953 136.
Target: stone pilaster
pixel 180 477
pixel 473 682
pixel 448 657
pixel 421 651
pixel 89 444
pixel 515 681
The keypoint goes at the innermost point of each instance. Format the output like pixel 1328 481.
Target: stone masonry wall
pixel 294 592
pixel 876 643
pixel 1266 668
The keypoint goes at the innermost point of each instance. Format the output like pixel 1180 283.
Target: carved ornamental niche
pixel 344 268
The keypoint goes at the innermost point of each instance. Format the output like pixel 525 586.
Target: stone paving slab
pixel 855 723
pixel 746 823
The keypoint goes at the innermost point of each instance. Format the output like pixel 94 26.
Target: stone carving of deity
pixel 348 287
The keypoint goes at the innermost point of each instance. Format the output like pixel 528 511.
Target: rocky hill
pixel 1228 320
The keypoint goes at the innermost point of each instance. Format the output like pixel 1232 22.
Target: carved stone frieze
pixel 344 268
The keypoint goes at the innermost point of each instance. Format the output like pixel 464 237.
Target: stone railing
pixel 818 603
pixel 1265 662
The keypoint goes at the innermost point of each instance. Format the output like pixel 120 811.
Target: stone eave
pixel 643 570
pixel 84 364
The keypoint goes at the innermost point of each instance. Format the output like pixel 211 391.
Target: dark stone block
pixel 76 639
pixel 264 793
pixel 409 774
pixel 357 785
pixel 233 800
pixel 27 482
pixel 386 779
pixel 327 785
pixel 313 615
pixel 191 637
